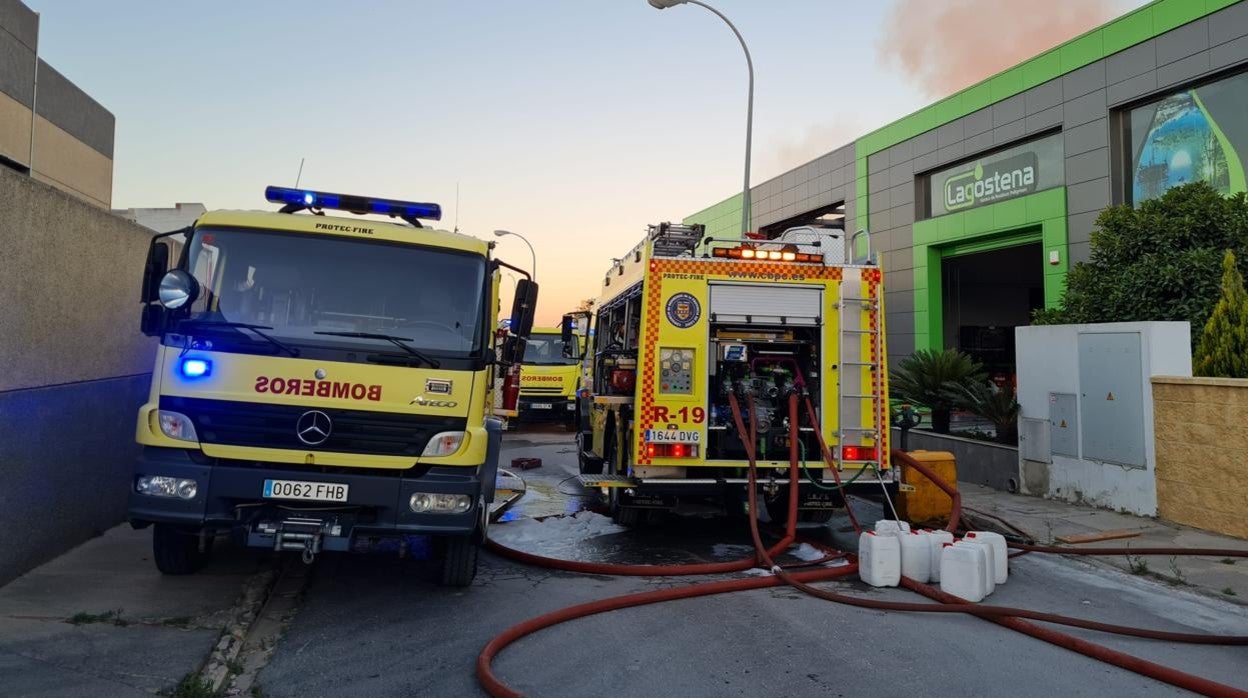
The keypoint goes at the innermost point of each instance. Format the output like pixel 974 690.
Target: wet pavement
pixel 380 626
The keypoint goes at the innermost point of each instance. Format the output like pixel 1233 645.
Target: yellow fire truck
pixel 322 383
pixel 689 329
pixel 549 377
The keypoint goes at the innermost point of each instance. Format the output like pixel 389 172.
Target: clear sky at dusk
pixel 573 122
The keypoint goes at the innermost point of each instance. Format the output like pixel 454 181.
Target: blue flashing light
pixel 354 204
pixel 196 368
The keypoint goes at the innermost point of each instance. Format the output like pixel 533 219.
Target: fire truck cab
pixel 688 326
pixel 322 383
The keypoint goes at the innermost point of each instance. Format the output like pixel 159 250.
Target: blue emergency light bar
pixel 304 198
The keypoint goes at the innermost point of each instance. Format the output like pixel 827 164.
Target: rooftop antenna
pixel 457 206
pixel 300 175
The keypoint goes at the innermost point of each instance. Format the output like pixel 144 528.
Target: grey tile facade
pixel 59 100
pixel 1080 104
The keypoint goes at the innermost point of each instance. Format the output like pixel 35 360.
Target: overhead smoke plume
pixel 837 130
pixel 946 45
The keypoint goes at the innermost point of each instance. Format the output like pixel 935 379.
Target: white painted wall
pixel 1048 362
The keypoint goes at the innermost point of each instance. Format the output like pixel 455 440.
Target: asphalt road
pixel 379 627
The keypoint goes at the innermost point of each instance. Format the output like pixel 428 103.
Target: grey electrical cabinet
pixel 1111 398
pixel 1063 424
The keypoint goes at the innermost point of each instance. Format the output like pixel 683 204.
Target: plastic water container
pixel 889 526
pixel 962 571
pixel 916 556
pixel 936 541
pixel 879 559
pixel 989 572
pixel 1001 553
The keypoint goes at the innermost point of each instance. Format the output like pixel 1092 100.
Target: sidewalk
pixel 1046 520
pixel 100 620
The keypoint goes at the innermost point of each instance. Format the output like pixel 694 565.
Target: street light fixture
pixel 501 233
pixel 749 113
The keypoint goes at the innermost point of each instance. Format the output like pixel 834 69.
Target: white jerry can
pixel 962 571
pixel 916 556
pixel 936 541
pixel 989 571
pixel 879 559
pixel 1001 553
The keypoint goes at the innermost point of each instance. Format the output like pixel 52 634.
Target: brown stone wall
pixel 1201 428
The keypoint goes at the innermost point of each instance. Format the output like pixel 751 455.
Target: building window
pixel 998 176
pixel 1195 134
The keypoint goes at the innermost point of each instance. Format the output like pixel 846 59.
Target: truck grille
pixel 541 391
pixel 273 426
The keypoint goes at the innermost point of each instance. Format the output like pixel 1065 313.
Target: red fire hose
pixel 1008 617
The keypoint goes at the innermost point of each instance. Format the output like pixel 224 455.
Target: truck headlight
pixel 438 503
pixel 162 486
pixel 444 443
pixel 176 425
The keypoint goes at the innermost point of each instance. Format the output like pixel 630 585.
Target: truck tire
pixel 175 549
pixel 459 562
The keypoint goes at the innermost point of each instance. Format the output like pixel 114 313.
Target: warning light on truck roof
pixel 305 198
pixel 767 255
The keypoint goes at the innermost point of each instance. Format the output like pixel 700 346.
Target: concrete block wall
pixel 1201 441
pixel 73 368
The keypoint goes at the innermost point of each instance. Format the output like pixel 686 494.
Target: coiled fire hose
pixel 1008 617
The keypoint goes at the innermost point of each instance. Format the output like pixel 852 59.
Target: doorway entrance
pixel 985 295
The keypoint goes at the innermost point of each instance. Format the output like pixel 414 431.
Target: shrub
pixel 1159 261
pixel 997 405
pixel 932 379
pixel 1223 348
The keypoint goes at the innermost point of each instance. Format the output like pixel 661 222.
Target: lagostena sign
pixel 995 181
pixel 1006 174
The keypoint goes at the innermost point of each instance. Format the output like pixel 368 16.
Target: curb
pixel 255 594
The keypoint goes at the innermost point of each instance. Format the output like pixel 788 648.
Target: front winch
pixel 298 534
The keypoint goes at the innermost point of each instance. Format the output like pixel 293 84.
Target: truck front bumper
pixel 229 495
pixel 542 408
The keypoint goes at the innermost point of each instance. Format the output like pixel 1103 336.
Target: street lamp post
pixel 501 233
pixel 749 110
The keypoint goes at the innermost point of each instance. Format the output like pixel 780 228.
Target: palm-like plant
pixel 933 379
pixel 997 405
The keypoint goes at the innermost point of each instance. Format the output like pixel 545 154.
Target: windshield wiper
pixel 243 326
pixel 399 342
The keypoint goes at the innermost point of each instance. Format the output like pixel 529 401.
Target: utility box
pixel 1086 418
pixel 921 502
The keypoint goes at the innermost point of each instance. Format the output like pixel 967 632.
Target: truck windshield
pixel 299 285
pixel 546 350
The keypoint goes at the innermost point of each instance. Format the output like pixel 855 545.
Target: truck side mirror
pixel 569 346
pixel 523 308
pixel 152 316
pixel 513 350
pixel 155 267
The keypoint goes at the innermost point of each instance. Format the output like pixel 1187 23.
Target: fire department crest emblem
pixel 683 310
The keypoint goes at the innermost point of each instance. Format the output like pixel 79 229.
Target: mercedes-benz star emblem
pixel 313 427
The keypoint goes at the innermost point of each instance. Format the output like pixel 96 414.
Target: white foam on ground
pixel 556 529
pixel 807 553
